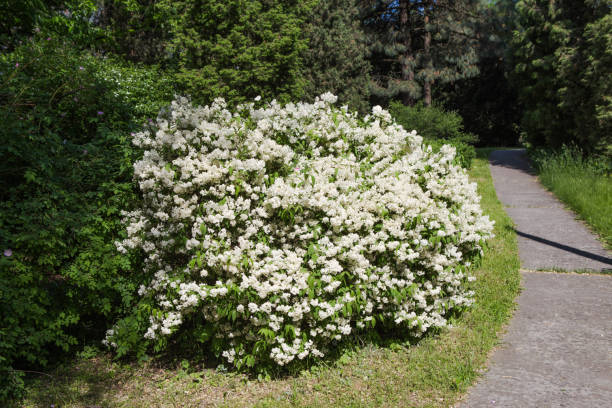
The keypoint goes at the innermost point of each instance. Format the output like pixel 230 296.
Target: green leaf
pixel 266 333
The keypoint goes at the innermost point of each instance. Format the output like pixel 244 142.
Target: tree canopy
pixel 562 52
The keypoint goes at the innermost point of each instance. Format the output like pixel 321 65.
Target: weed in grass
pixel 395 372
pixel 577 271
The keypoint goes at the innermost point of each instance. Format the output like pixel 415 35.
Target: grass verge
pixel 433 373
pixel 583 184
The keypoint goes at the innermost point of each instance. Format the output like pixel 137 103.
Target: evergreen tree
pixel 336 58
pixel 419 43
pixel 237 49
pixel 561 47
pixel 595 115
pixel 587 73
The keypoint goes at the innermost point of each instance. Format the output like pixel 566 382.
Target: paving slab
pixel 549 236
pixel 557 351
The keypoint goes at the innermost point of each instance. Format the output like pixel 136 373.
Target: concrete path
pixel 557 351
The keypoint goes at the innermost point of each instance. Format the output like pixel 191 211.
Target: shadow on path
pixel 511 160
pixel 573 250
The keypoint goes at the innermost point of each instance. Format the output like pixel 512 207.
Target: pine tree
pixel 417 44
pixel 336 58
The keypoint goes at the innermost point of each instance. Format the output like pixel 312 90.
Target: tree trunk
pixel 428 67
pixel 408 58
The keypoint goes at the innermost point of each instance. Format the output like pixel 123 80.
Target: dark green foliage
pixel 19 17
pixel 66 166
pixel 438 127
pixel 336 58
pixel 591 98
pixel 138 30
pixel 564 73
pixel 237 49
pixel 489 102
pixel 69 19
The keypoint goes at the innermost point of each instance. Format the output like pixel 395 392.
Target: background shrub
pixel 65 120
pixel 438 127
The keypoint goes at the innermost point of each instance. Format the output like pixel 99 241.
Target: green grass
pixel 435 372
pixel 584 185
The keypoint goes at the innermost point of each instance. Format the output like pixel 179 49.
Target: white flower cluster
pixel 277 231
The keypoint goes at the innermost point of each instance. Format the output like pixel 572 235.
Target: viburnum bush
pixel 272 232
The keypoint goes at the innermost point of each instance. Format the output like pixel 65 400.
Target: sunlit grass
pixel 584 185
pixel 435 372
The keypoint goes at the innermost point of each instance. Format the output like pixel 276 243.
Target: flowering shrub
pixel 271 233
